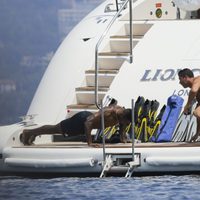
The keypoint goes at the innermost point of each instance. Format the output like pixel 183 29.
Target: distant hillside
pixel 29 37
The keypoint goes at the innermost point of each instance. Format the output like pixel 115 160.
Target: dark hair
pixel 186 72
pixel 128 114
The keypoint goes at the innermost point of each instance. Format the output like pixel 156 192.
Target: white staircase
pixel 110 60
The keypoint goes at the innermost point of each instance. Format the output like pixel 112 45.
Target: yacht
pixel 123 49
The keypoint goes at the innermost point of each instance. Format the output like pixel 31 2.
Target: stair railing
pixel 101 39
pixel 117 6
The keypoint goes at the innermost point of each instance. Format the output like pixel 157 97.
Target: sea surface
pixel 150 187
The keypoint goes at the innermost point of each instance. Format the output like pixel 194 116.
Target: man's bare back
pixel 187 79
pixel 113 115
pixel 196 88
pixel 197 81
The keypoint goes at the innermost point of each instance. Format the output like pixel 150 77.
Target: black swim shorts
pixel 75 124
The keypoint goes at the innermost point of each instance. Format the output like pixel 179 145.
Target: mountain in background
pixel 31 32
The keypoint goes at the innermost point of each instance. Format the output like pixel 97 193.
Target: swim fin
pixel 152 118
pixel 181 128
pixel 186 127
pixel 192 127
pixel 138 109
pixel 156 125
pixel 110 131
pixel 142 131
pixel 145 116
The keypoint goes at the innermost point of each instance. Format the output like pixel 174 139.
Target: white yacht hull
pixel 162 45
pixel 77 158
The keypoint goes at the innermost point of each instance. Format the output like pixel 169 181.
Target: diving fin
pixel 186 127
pixel 143 123
pixel 145 115
pixel 156 125
pixel 192 127
pixel 138 109
pixel 181 128
pixel 152 118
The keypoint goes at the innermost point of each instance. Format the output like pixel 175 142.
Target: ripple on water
pixel 152 187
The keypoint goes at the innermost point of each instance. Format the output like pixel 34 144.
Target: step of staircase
pixel 122 44
pixel 86 95
pixel 117 54
pixel 110 63
pixel 82 106
pixel 126 36
pixel 138 28
pixel 102 71
pixel 91 89
pixel 105 77
pixel 75 108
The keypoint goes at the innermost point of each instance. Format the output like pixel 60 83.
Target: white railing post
pixel 131 30
pixel 132 130
pixel 102 129
pixel 101 39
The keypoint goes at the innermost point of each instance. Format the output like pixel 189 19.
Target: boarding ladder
pixel 119 161
pixel 114 162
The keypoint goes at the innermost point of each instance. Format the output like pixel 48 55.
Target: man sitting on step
pixel 83 123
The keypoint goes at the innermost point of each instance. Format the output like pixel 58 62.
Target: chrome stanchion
pixel 103 127
pixel 132 130
pixel 131 30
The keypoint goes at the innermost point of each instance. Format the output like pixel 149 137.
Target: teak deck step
pixel 103 71
pixel 113 53
pixel 82 106
pixel 90 88
pixel 126 36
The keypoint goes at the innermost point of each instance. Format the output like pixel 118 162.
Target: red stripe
pixel 158 5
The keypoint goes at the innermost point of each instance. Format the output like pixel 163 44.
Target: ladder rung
pixel 111 164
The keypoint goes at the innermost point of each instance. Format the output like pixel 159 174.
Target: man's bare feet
pixel 26 138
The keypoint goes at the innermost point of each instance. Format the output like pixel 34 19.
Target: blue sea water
pixel 151 187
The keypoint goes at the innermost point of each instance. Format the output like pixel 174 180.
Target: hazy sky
pixel 30 34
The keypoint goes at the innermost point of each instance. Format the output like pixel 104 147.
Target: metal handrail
pixel 102 129
pixel 132 130
pixel 101 39
pixel 117 6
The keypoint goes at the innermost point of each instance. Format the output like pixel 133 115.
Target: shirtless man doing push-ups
pixel 83 123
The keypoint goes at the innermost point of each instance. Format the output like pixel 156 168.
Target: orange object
pixel 158 5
